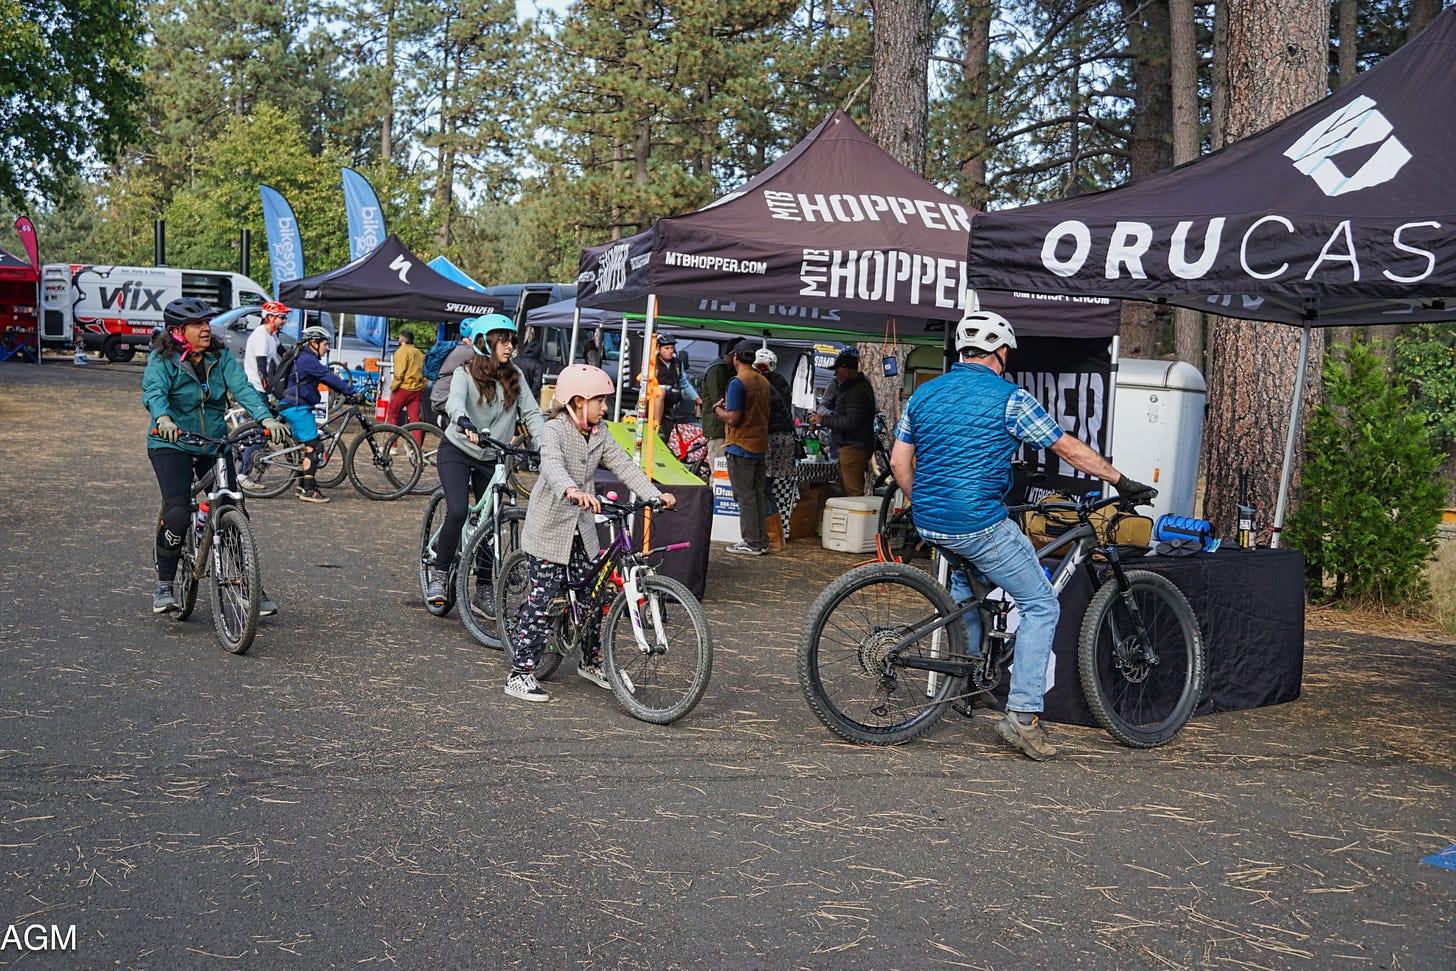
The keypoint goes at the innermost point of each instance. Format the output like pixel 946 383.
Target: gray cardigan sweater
pixel 489 417
pixel 570 459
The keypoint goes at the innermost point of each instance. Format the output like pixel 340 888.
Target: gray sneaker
pixel 483 600
pixel 523 685
pixel 1030 739
pixel 266 606
pixel 164 601
pixel 435 589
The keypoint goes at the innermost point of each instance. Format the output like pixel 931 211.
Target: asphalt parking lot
pixel 358 791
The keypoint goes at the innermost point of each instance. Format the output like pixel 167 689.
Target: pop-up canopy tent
pixel 835 239
pixel 19 330
pixel 388 281
pixel 1339 214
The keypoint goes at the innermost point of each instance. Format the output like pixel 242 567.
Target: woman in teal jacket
pixel 185 386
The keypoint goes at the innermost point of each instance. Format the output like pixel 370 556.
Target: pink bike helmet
pixel 582 380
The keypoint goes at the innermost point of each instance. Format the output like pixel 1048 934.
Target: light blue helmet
pixel 473 327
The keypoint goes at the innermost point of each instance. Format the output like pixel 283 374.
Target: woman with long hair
pixel 488 396
pixel 185 388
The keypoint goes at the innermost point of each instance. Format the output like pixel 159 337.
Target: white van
pixel 115 308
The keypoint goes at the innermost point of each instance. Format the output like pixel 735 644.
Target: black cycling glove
pixel 1133 489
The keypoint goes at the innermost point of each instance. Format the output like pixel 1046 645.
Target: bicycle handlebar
pixel 614 508
pixel 244 438
pixel 1088 504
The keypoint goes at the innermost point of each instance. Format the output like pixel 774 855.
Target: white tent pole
pixel 624 363
pixel 575 326
pixel 1294 409
pixel 1110 404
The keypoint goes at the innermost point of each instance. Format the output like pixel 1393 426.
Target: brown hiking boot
pixel 1030 739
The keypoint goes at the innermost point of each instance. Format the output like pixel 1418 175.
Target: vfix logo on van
pixel 131 296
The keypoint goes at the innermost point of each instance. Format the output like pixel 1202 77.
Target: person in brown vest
pixel 744 410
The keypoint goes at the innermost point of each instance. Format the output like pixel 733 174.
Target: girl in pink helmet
pixel 560 528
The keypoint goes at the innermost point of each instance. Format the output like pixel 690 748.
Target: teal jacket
pixel 197 402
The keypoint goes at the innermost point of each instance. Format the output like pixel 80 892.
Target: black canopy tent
pixel 1340 214
pixel 835 239
pixel 389 281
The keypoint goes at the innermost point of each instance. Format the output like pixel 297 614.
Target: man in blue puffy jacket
pixel 954 444
pixel 300 397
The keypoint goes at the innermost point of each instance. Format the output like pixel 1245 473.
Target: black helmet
pixel 666 340
pixel 187 310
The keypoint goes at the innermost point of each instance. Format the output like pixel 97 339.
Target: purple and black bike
pixel 655 644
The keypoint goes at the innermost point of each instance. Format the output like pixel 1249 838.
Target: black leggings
pixel 461 475
pixel 175 471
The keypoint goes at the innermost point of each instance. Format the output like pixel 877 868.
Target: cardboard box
pixel 804 521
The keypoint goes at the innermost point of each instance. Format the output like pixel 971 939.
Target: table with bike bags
pixel 1250 609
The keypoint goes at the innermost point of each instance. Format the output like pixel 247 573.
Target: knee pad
pixel 175 512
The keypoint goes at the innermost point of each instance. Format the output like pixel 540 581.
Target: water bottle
pixel 199 521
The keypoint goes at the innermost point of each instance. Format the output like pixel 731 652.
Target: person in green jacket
pixel 185 387
pixel 715 386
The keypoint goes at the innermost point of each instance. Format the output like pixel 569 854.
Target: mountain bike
pixel 884 653
pixel 382 460
pixel 428 437
pixel 218 546
pixel 656 649
pixel 491 532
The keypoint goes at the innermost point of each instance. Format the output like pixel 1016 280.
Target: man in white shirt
pixel 262 348
pixel 258 357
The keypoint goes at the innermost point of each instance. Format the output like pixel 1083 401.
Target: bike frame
pixel 583 592
pixel 1079 542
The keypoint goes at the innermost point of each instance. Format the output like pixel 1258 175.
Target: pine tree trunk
pixel 1183 95
pixel 898 97
pixel 386 121
pixel 976 67
pixel 1277 55
pixel 1149 148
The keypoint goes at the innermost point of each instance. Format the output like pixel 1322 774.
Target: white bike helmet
pixel 984 332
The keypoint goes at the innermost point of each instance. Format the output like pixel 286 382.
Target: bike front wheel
pixel 1141 679
pixel 430 528
pixel 663 680
pixel 331 463
pixel 850 680
pixel 384 462
pixel 237 582
pixel 475 579
pixel 428 436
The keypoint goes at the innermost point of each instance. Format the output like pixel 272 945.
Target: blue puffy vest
pixel 962 450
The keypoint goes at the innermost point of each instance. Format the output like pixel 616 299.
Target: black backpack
pixel 282 370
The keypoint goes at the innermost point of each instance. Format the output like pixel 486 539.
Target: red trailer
pixel 19 303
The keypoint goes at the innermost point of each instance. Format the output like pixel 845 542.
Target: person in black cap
pixel 674 384
pixel 744 410
pixel 852 421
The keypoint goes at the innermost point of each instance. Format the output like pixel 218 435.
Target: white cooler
pixel 849 524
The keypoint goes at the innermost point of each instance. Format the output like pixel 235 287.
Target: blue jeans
pixel 1004 557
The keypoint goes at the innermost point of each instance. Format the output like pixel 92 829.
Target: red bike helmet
pixel 274 309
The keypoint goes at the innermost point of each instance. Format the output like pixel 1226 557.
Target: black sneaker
pixel 266 606
pixel 311 495
pixel 483 600
pixel 164 601
pixel 435 589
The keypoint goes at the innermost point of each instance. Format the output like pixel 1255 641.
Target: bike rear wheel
pixel 897 538
pixel 237 582
pixel 847 635
pixel 331 463
pixel 512 587
pixel 475 578
pixel 429 444
pixel 383 462
pixel 666 681
pixel 274 467
pixel 1142 701
pixel 184 588
pixel 429 534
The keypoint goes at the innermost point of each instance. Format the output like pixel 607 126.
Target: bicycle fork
pixel 632 590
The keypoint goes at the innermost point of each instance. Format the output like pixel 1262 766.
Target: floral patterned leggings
pixel 545 581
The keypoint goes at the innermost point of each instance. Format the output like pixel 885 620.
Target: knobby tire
pixel 662 686
pixel 477 571
pixel 1141 705
pixel 374 471
pixel 847 633
pixel 237 582
pixel 429 526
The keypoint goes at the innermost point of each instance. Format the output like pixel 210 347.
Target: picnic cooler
pixel 849 524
